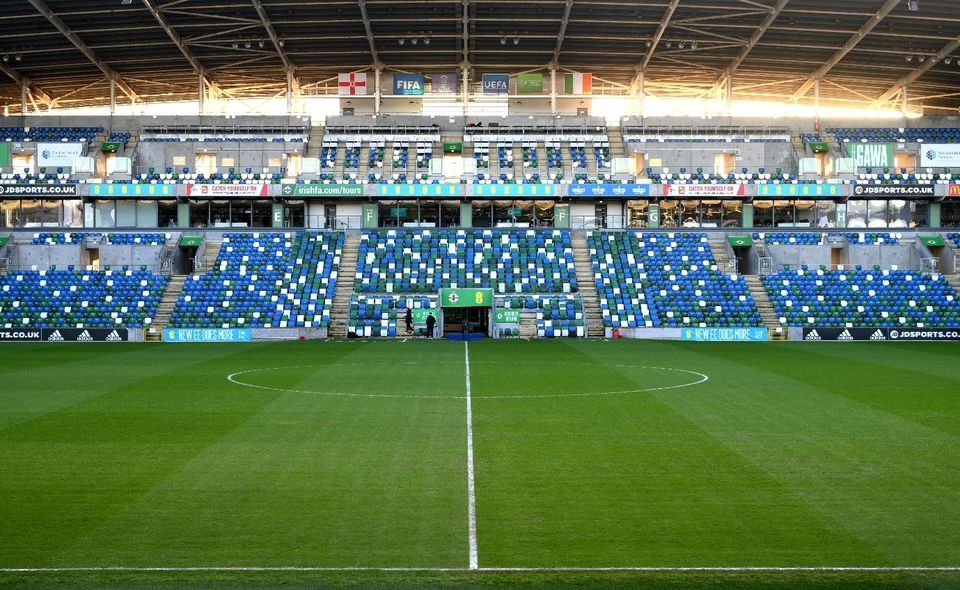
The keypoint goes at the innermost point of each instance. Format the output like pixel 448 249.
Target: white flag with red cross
pixel 353 83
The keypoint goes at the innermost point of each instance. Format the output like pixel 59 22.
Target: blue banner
pixel 609 190
pixel 798 190
pixel 408 84
pixel 129 189
pixel 419 190
pixel 724 334
pixel 515 190
pixel 208 335
pixel 496 83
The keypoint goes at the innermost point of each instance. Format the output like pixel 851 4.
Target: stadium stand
pixel 862 298
pixel 79 298
pixel 278 280
pixel 424 261
pixel 666 280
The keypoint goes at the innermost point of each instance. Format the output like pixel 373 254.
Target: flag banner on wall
pixel 578 83
pixel 445 83
pixel 530 83
pixel 408 84
pixel 352 84
pixel 496 83
pixel 872 155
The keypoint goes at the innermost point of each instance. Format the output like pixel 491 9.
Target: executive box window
pixel 950 213
pixel 891 214
pixel 700 213
pixel 294 214
pixel 785 213
pixel 231 213
pixel 167 213
pixel 638 213
pixel 413 213
pixel 512 213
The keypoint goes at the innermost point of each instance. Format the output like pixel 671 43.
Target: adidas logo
pixel 55 337
pixel 845 335
pixel 813 336
pixel 85 337
pixel 878 335
pixel 114 337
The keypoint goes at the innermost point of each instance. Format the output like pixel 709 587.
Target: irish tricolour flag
pixel 577 83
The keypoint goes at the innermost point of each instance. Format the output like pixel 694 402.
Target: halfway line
pixel 471 492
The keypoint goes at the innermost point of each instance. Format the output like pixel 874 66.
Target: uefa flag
pixel 577 83
pixel 351 84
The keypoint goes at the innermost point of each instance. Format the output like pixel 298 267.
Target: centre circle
pixel 424 380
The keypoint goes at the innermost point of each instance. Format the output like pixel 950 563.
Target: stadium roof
pixel 862 50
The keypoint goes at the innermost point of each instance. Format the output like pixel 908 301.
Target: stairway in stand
pixel 721 254
pixel 954 281
pixel 165 309
pixel 769 317
pixel 346 277
pixel 586 285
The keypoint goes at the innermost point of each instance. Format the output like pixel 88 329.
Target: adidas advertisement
pixel 844 334
pixel 82 335
pixel 880 334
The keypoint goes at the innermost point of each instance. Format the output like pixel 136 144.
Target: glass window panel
pixel 167 213
pixel 241 212
pixel 294 214
pixel 105 212
pixel 826 214
pixel 483 214
pixel 877 214
pixel 10 213
pixel 147 213
pixel 388 214
pixel 856 214
pixel 430 213
pixel 262 213
pixel 220 213
pixel 670 214
pixel 450 213
pixel 199 213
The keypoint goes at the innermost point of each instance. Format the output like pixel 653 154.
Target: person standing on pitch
pixel 431 322
pixel 409 319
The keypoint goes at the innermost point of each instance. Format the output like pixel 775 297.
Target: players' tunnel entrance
pixel 466 320
pixel 466 311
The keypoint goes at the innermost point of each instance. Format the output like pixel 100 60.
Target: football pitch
pixel 549 463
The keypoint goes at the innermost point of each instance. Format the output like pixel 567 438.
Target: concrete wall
pixel 160 155
pixel 26 256
pixel 702 155
pixel 903 255
pixel 134 256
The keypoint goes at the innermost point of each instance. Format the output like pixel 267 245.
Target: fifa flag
pixel 352 84
pixel 577 83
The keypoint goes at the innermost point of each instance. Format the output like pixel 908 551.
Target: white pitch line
pixel 471 489
pixel 573 569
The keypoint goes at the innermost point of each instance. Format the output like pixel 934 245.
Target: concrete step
pixel 767 314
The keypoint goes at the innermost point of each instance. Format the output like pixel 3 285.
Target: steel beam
pixel 851 43
pixel 175 37
pixel 287 64
pixel 923 69
pixel 563 31
pixel 61 26
pixel 664 23
pixel 366 25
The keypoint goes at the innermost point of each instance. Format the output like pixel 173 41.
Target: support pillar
pixel 289 92
pixel 466 215
pixel 201 94
pixel 747 215
pixel 277 217
pixel 376 91
pixel 183 215
pixel 934 219
pixel 465 87
pixel 904 95
pixel 729 93
pixel 653 215
pixel 553 90
pixel 113 96
pixel 641 95
pixel 23 99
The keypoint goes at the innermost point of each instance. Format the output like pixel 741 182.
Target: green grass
pixel 587 454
